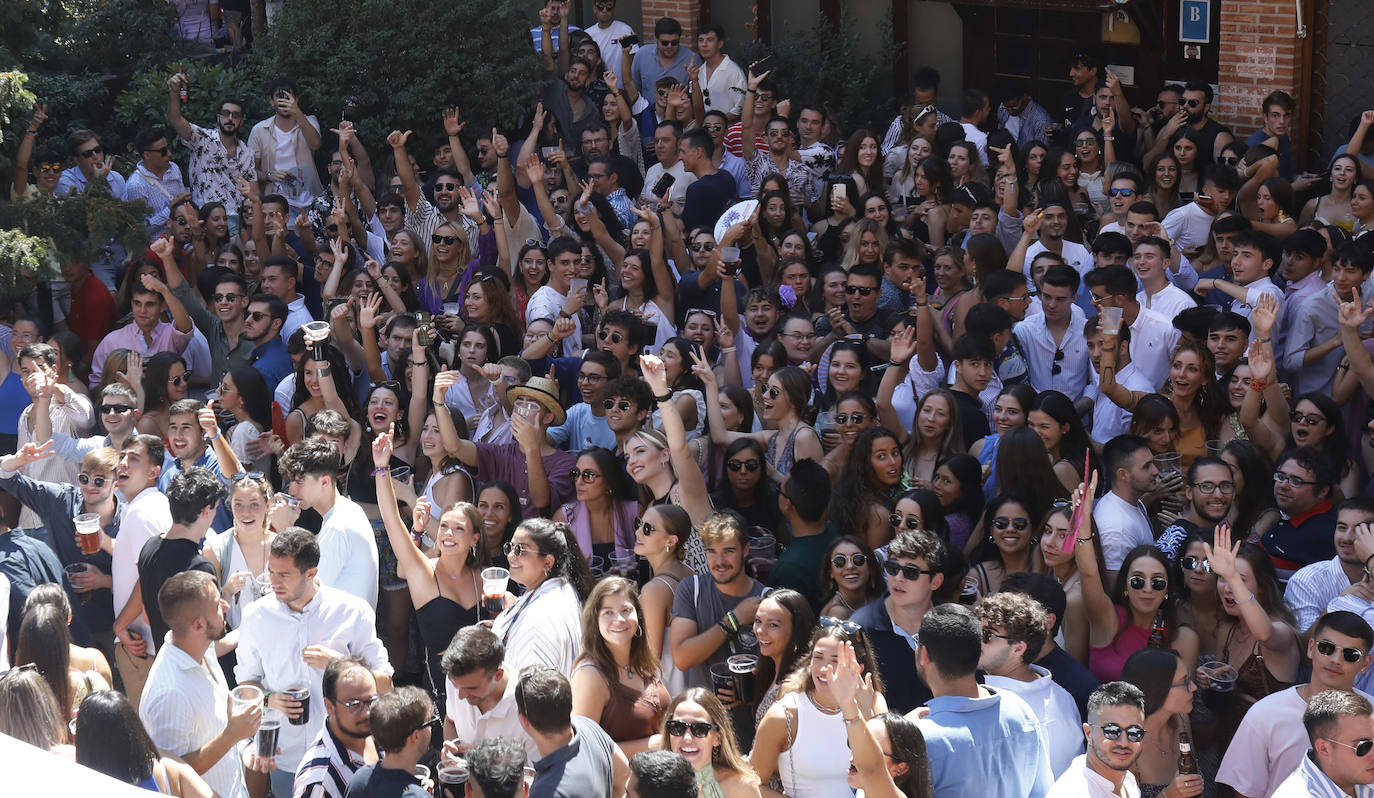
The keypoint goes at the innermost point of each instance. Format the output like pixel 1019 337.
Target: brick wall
pixel 687 12
pixel 1260 52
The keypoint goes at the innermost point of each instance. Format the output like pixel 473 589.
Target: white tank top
pixel 817 764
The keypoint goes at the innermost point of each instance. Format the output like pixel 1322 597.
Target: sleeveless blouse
pixel 816 765
pixel 783 460
pixel 632 714
pixel 1106 662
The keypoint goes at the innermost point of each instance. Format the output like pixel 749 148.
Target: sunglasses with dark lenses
pixel 1192 563
pixel 1193 103
pixel 1112 731
pixel 586 475
pixel 644 526
pixel 1306 419
pixel 699 729
pixel 1057 367
pixel 120 409
pixel 851 418
pixel 743 465
pixel 615 335
pixel 49 168
pixel 703 247
pixel 1019 524
pixel 1121 192
pixel 910 572
pixel 226 297
pixel 846 626
pixel 857 559
pixel 258 315
pixel 1361 747
pixel 516 549
pixel 861 290
pixel 183 379
pixel 668 42
pixel 714 127
pixel 1157 583
pixel 770 391
pixel 360 705
pixel 90 152
pixel 610 404
pixel 1326 648
pixel 445 240
pixel 898 520
pixel 1229 160
pixel 250 476
pixel 86 479
pixel 445 186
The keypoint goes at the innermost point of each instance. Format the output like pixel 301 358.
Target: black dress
pixel 439 620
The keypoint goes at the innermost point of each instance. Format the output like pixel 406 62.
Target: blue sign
pixel 1195 21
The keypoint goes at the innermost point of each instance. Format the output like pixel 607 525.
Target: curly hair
pixel 854 492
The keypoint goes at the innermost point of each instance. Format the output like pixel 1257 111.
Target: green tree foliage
pixel 16 101
pixel 833 66
pixel 145 102
pixel 79 226
pixel 24 260
pixel 399 64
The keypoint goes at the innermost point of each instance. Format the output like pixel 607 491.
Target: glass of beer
pixel 494 582
pixel 88 532
pixel 301 694
pixel 266 737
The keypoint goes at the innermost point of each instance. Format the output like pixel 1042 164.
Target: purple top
pixel 486 256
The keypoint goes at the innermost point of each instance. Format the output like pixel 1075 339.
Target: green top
pixel 800 566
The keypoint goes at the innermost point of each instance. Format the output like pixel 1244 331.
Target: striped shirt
pixel 1309 780
pixel 543 627
pixel 326 768
pixel 1312 588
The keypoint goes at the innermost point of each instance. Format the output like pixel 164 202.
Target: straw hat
pixel 544 391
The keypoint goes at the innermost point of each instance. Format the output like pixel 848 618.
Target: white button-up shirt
pixel 1081 781
pixel 1040 348
pixel 348 551
pixel 543 627
pixel 472 724
pixel 147 516
pixel 273 637
pixel 184 706
pixel 1153 339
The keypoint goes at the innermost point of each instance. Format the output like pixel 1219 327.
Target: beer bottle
pixel 182 91
pixel 1158 638
pixel 1187 763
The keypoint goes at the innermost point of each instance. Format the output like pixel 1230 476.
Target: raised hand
pixel 755 80
pixel 1353 314
pixel 725 337
pixel 453 124
pixel 162 248
pixel 419 519
pixel 701 367
pixel 600 296
pixel 1031 224
pixel 1221 553
pixel 470 206
pixel 534 168
pixel 1261 362
pixel 1264 314
pixel 903 345
pixel 612 81
pixel 499 143
pixel 31 453
pixel 655 373
pixel 40 115
pixel 492 203
pixel 208 423
pixel 397 139
pixel 381 448
pixel 151 283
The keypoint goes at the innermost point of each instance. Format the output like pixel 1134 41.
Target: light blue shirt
pixel 73 181
pixel 582 429
pixel 989 747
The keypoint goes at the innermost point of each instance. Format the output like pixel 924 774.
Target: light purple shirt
pixel 165 338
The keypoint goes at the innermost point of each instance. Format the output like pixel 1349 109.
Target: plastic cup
pixel 421 773
pixel 453 308
pixel 763 546
pixel 245 696
pixel 1111 320
pixel 75 569
pixel 969 594
pixel 453 773
pixel 88 532
pixel 596 565
pixel 1221 678
pixel 1214 448
pixel 742 669
pixel 301 694
pixel 494 583
pixel 266 737
pixel 289 500
pixel 1169 463
pixel 316 329
pixel 722 678
pixel 623 564
pixel 729 255
pixel 401 474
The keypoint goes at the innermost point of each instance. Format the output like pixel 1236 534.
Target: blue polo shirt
pixel 273 362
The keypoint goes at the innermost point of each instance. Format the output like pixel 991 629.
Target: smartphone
pixel 423 320
pixel 762 65
pixel 837 192
pixel 576 284
pixel 664 183
pixel 629 41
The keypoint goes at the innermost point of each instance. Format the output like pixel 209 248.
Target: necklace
pixel 822 709
pixel 839 595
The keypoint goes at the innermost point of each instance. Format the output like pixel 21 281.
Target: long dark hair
pixel 763 489
pixel 1335 445
pixel 512 504
pixel 128 756
pixel 909 748
pixel 617 482
pixel 255 395
pixel 988 550
pixel 45 641
pixel 854 491
pixel 803 621
pixel 932 512
pixel 1074 443
pixel 1171 599
pixel 338 371
pixel 874 585
pixel 1023 468
pixel 557 541
pixel 155 375
pixel 969 472
pixel 1152 670
pixel 1256 470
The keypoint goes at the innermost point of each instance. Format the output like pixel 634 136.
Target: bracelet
pixel 419 362
pixel 727 350
pixel 1108 138
pixel 31 133
pixel 853 721
pixel 323 372
pixel 667 397
pixel 733 620
pixel 752 91
pixel 724 627
pixel 215 437
pixel 381 470
pixel 1366 562
pixel 901 364
pixel 549 336
pixel 1263 340
pixel 1258 386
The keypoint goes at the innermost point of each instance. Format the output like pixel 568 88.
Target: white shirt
pixel 1188 226
pixel 1153 340
pixel 272 638
pixel 1168 301
pixel 1109 418
pixel 605 38
pixel 147 516
pixel 978 139
pixel 472 724
pixel 1311 588
pixel 1308 781
pixel 72 417
pixel 1080 781
pixel 1121 527
pixel 1040 348
pixel 296 317
pixel 547 303
pixel 184 705
pixel 543 627
pixel 348 551
pixel 1060 724
pixel 678 191
pixel 727 84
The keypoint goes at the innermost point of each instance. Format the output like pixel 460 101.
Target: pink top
pixel 1106 663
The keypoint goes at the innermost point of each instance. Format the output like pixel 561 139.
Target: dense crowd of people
pixel 683 442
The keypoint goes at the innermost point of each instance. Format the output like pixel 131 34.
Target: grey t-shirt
pixel 699 599
pixel 584 768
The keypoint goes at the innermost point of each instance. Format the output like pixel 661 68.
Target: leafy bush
pixel 24 260
pixel 79 226
pixel 831 66
pixel 16 101
pixel 120 37
pixel 145 101
pixel 400 64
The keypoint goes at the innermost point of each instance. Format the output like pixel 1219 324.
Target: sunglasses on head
pixel 1157 583
pixel 1326 648
pixel 1019 524
pixel 120 409
pixel 615 335
pixel 445 240
pixel 86 479
pixel 1194 563
pixel 251 476
pixel 1112 731
pixel 858 560
pixel 743 465
pixel 846 626
pixel 909 572
pixel 679 728
pixel 586 475
pixel 897 520
pixel 861 290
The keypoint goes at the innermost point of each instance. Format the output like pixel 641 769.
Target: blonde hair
pixel 720 527
pixel 463 257
pixel 103 459
pixel 727 755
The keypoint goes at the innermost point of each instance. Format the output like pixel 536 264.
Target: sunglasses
pixel 390 385
pixel 119 409
pixel 184 379
pixel 588 476
pixel 160 150
pixel 679 728
pixel 898 521
pixel 516 549
pixel 1057 367
pixel 86 479
pixel 445 186
pixel 611 404
pixel 1361 747
pixel 1208 488
pixel 1121 192
pixel 445 240
pixel 850 418
pixel 1193 103
pixel 846 626
pixel 1229 160
pixel 232 114
pixel 770 391
pixel 858 560
pixel 644 526
pixel 434 722
pixel 715 127
pixel 251 476
pixel 1193 563
pixel 26 667
pixel 1326 648
pixel 359 705
pixel 909 572
pixel 1306 419
pixel 258 315
pixel 703 247
pixel 861 290
pixel 1019 524
pixel 743 465
pixel 226 297
pixel 1085 142
pixel 1157 583
pixel 1135 733
pixel 615 335
pixel 668 42
pixel 90 152
pixel 49 168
